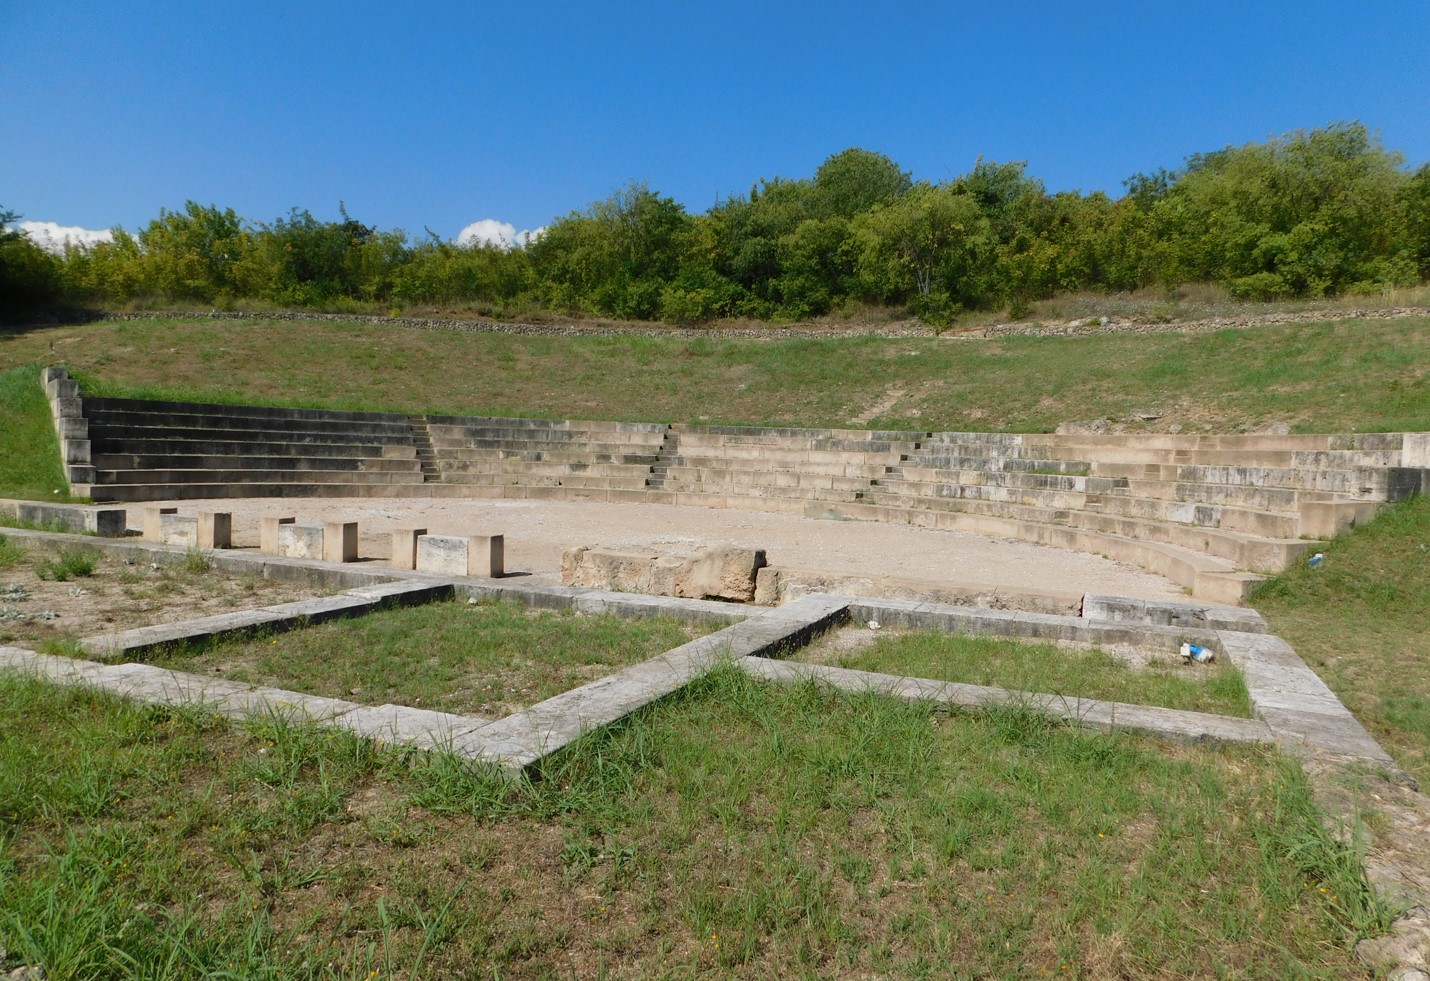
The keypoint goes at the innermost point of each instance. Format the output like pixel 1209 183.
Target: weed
pixel 10 554
pixel 72 562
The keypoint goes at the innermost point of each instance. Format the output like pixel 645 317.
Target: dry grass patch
pixel 54 592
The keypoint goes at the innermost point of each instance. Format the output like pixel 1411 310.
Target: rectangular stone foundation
pixel 452 555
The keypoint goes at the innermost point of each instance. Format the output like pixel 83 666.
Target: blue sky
pixel 439 114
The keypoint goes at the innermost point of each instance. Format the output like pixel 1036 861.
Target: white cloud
pixel 53 238
pixel 489 231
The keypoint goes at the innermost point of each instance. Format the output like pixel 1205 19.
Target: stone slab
pixel 301 541
pixel 399 724
pixel 521 740
pixel 471 555
pixel 1166 723
pixel 111 645
pixel 1200 616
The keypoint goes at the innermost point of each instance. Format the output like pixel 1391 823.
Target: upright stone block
pixel 268 533
pixel 340 541
pixel 404 547
pixel 486 556
pixel 179 529
pixel 297 541
pixel 154 523
pixel 215 529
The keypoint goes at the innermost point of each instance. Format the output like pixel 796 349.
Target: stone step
pixel 123 421
pixel 532 439
pixel 1031 480
pixel 602 454
pixel 1262 441
pixel 1267 524
pixel 1309 459
pixel 230 447
pixel 281 437
pixel 936 461
pixel 916 489
pixel 1242 550
pixel 218 410
pixel 683 477
pixel 544 468
pixel 154 461
pixel 254 476
pixel 1361 483
pixel 631 482
pixel 1093 493
pixel 841 467
pixel 581 425
pixel 777 434
pixel 720 445
pixel 118 493
pixel 1208 577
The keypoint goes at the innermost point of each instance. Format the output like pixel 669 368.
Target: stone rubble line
pixel 1294 708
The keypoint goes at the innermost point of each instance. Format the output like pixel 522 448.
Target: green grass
pixel 1336 376
pixel 1045 668
pixel 488 660
pixel 29 450
pixel 1360 621
pixel 735 830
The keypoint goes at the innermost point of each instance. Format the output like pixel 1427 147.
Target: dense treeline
pixel 1315 213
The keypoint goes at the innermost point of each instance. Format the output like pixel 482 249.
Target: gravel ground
pixel 537 532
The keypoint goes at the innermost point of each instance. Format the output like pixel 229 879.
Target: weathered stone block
pixel 215 529
pixel 297 541
pixel 452 555
pixel 404 547
pixel 340 541
pixel 153 523
pixel 268 533
pixel 179 529
pixel 722 572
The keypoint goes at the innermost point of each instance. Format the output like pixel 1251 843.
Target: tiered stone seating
pixel 543 458
pixel 1213 513
pixel 145 450
pixel 774 469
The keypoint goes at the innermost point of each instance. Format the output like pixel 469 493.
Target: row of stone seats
pixel 148 450
pixel 509 457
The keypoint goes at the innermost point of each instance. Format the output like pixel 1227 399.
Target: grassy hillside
pixel 1359 620
pixel 1337 376
pixel 29 451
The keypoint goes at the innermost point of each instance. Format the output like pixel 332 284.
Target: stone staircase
pixel 546 459
pixel 145 450
pixel 1212 513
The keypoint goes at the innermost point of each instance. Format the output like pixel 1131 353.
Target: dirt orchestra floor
pixel 537 532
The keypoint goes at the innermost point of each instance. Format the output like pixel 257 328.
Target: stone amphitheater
pixel 1212 514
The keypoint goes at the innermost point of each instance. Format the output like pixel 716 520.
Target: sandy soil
pixel 537 532
pixel 120 596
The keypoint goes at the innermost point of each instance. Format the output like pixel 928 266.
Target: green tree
pixel 855 180
pixel 28 274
